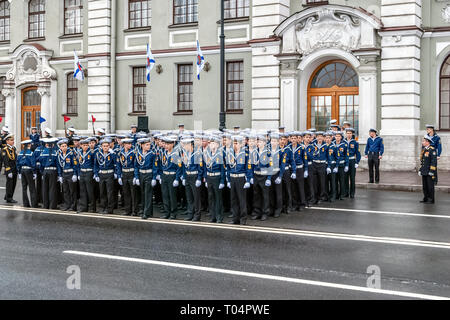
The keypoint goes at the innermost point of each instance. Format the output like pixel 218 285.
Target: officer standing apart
pixel 9 157
pixel 26 168
pixel 374 153
pixel 428 169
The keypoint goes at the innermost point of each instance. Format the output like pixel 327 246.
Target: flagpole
pixel 222 116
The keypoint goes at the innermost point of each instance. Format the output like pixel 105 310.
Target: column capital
pixel 9 92
pixel 288 64
pixel 44 89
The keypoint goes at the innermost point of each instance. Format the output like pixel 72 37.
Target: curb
pixel 399 187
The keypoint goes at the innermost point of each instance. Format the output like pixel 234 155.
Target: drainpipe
pixel 113 67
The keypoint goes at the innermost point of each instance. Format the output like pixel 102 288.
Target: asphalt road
pixel 320 253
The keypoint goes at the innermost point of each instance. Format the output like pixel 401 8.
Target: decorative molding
pixel 445 13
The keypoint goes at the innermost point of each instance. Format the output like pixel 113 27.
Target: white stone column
pixel 289 91
pixel 46 112
pixel 10 115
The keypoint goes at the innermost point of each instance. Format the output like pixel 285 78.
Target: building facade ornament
pixel 446 13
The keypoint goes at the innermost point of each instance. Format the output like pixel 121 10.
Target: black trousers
pixel 28 184
pixel 226 197
pixel 87 196
pixel 428 188
pixel 238 200
pixel 299 196
pixel 128 192
pixel 350 179
pixel 374 163
pixel 287 184
pixel 261 197
pixel 319 176
pixel 276 197
pixel 169 196
pixel 50 189
pixel 69 191
pixel 10 186
pixel 193 197
pixel 146 189
pixel 38 186
pixel 341 185
pixel 331 185
pixel 106 185
pixel 215 199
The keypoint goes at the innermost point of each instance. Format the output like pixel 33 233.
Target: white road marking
pixel 271 230
pixel 384 212
pixel 261 276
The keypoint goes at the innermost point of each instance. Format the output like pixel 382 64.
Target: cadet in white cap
pixel 26 168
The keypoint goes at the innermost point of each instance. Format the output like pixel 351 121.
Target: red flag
pixel 1 119
pixel 66 118
pixel 93 119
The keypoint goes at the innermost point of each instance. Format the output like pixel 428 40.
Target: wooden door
pixel 31 111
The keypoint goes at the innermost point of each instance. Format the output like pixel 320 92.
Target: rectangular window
pixel 185 87
pixel 4 20
pixel 72 95
pixel 36 19
pixel 236 8
pixel 140 13
pixel 139 88
pixel 235 86
pixel 73 17
pixel 185 11
pixel 2 97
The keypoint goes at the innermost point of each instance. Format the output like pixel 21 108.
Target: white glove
pixel 228 185
pixel 78 178
pixel 115 176
pixel 134 181
pixel 111 150
pixel 158 177
pixel 278 180
pixel 293 176
pixel 251 181
pixel 34 176
pixel 419 174
pixel 10 175
pixel 183 182
pixel 153 182
pixel 206 185
pixel 19 176
pixel 60 180
pixel 335 170
pixel 198 183
pixel 430 174
pixel 346 169
pixel 221 186
pixel 247 185
pixel 356 166
pixel 305 175
pixel 120 181
pixel 176 183
pixel 268 183
pixel 97 179
pixel 137 182
pixel 328 170
pixel 74 178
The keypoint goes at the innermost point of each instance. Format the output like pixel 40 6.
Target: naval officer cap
pixel 428 138
pixel 237 138
pixel 72 129
pixel 5 129
pixel 353 130
pixel 346 122
pixel 26 142
pixel 430 126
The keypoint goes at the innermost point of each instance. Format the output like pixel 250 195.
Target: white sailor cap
pixel 26 142
pixel 48 130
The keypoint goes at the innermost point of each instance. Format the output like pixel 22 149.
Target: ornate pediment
pixel 30 65
pixel 328 28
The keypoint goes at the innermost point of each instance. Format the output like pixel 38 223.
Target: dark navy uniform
pixel 192 180
pixel 68 176
pixel 105 172
pixel 374 149
pixel 26 167
pixel 126 163
pixel 318 172
pixel 287 180
pixel 428 169
pixel 86 174
pixel 50 190
pixel 354 157
pixel 145 174
pixel 170 172
pixel 261 163
pixel 214 173
pixel 301 164
pixel 37 154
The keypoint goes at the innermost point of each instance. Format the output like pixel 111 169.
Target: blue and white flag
pixel 200 60
pixel 78 72
pixel 150 62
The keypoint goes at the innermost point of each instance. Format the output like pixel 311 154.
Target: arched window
pixel 4 20
pixel 444 103
pixel 36 19
pixel 335 74
pixel 72 95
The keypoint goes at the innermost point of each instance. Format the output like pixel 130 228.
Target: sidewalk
pixel 401 181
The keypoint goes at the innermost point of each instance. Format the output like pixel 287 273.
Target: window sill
pixel 235 20
pixel 71 36
pixel 183 25
pixel 183 113
pixel 136 114
pixel 71 114
pixel 315 4
pixel 34 39
pixel 235 112
pixel 130 30
pixel 5 42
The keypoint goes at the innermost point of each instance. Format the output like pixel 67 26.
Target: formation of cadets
pixel 235 173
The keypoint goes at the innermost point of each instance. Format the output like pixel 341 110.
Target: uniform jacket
pixel 9 158
pixel 428 161
pixel 67 161
pixel 374 145
pixel 353 150
pixel 26 159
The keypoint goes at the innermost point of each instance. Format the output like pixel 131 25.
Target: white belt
pixel 26 168
pixel 352 158
pixel 146 171
pixel 342 161
pixel 236 175
pixel 213 174
pixel 299 166
pixel 106 171
pixel 319 161
pixel 128 170
pixel 86 170
pixel 50 168
pixel 68 170
pixel 169 173
pixel 262 173
pixel 191 172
